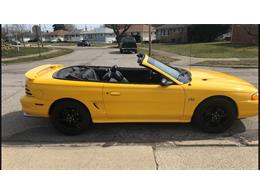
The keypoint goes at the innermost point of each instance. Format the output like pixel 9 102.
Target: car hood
pixel 213 76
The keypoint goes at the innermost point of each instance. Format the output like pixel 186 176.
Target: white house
pixel 100 35
pixel 74 36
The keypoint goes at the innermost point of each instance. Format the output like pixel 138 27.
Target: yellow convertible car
pixel 74 97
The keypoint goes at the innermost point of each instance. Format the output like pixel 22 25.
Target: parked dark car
pixel 127 45
pixel 84 43
pixel 33 40
pixel 15 42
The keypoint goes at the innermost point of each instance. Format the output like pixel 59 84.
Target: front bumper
pixel 32 106
pixel 247 108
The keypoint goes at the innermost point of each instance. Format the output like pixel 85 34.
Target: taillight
pixel 254 96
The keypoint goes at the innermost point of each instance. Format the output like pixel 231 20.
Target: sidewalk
pixel 136 157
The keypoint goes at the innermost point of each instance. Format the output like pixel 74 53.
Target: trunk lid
pixel 41 70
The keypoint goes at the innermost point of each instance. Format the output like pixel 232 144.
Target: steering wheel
pixel 114 68
pixel 152 74
pixel 113 73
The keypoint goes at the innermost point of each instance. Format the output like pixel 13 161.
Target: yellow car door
pixel 143 102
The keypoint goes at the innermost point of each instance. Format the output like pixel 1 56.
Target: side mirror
pixel 166 82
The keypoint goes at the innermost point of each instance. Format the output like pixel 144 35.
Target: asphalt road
pixel 18 130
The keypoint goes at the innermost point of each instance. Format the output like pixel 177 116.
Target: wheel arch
pixel 216 96
pixel 69 99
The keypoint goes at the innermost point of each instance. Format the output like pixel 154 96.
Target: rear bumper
pixel 129 49
pixel 32 106
pixel 247 108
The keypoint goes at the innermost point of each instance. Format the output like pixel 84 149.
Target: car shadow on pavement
pixel 118 52
pixel 17 130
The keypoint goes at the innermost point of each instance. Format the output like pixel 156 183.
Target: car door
pixel 143 102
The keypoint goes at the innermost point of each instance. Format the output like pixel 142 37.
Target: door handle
pixel 114 93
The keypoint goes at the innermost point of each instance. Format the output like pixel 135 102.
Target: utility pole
pixel 18 49
pixel 40 34
pixel 38 39
pixel 150 41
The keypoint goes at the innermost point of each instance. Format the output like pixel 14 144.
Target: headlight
pixel 254 96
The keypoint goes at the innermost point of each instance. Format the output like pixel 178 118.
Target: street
pixel 32 143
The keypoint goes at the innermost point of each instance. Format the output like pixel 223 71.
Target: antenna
pixel 190 56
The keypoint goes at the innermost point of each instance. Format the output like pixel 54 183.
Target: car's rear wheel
pixel 70 117
pixel 215 115
pixel 121 51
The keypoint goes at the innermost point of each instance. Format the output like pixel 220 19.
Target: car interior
pixel 112 74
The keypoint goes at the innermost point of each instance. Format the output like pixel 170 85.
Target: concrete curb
pixel 191 143
pixel 207 143
pixel 227 66
pixel 251 143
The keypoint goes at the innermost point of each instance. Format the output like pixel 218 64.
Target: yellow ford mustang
pixel 74 97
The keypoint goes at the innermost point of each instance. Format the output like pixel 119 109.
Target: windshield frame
pixel 148 62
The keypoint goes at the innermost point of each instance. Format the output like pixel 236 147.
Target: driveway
pixel 158 139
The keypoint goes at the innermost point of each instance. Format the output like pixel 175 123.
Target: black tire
pixel 121 51
pixel 70 117
pixel 215 115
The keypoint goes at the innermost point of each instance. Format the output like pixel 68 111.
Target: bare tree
pixel 18 30
pixel 4 32
pixel 119 30
pixel 251 29
pixel 37 31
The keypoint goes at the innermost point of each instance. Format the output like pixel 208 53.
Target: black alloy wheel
pixel 70 117
pixel 215 115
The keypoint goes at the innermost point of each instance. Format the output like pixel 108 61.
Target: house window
pixel 163 32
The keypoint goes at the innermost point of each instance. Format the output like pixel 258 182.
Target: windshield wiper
pixel 183 73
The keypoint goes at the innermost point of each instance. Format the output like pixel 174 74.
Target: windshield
pixel 179 74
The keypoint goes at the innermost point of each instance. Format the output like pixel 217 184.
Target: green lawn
pixel 228 63
pixel 23 51
pixel 59 52
pixel 210 50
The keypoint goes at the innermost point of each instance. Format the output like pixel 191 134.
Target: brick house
pixel 141 32
pixel 57 35
pixel 172 33
pixel 244 33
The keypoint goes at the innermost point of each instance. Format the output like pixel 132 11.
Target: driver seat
pixel 90 75
pixel 113 75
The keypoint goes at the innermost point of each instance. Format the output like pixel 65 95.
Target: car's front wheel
pixel 70 117
pixel 215 115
